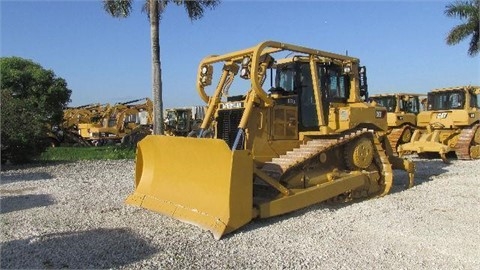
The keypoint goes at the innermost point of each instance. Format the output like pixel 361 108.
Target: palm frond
pixel 474 42
pixel 469 12
pixel 118 8
pixel 458 33
pixel 196 8
pixel 463 9
pixel 162 5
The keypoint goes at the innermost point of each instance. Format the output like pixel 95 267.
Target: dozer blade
pixel 195 180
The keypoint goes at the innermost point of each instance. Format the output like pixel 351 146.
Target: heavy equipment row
pixel 402 111
pixel 126 122
pixel 118 121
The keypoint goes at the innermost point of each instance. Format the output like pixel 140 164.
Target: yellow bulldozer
pixel 310 138
pixel 183 121
pixel 450 125
pixel 402 111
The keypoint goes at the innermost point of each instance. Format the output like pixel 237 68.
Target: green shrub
pixel 32 99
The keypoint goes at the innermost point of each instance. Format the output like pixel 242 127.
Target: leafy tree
pixel 469 12
pixel 154 9
pixel 32 100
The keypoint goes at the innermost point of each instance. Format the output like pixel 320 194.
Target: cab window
pixel 412 105
pixel 446 100
pixel 286 79
pixel 475 101
pixel 335 84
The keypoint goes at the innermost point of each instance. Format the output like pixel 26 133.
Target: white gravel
pixel 72 215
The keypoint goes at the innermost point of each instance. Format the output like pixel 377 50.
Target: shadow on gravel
pixel 22 202
pixel 13 177
pixel 425 171
pixel 93 249
pixel 256 224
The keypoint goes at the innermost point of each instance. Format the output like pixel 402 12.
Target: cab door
pixel 308 119
pixel 285 119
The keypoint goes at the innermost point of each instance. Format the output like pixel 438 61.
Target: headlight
pixel 204 70
pixel 243 72
pixel 246 60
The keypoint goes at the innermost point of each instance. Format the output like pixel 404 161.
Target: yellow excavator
pixel 451 124
pixel 310 138
pixel 120 120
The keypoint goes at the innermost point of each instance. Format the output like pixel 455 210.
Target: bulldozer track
pixel 387 173
pixel 395 136
pixel 462 148
pixel 301 156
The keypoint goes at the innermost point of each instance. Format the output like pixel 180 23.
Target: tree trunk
pixel 156 69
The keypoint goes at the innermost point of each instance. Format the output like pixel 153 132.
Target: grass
pixel 87 153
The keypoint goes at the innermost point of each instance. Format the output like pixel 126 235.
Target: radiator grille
pixel 227 126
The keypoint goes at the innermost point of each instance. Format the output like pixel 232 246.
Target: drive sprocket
pixel 359 154
pixel 406 135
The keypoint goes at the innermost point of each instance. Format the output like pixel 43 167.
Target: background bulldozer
pixel 183 121
pixel 258 154
pixel 402 111
pixel 450 124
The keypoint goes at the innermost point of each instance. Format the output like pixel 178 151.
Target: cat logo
pixel 442 115
pixel 379 114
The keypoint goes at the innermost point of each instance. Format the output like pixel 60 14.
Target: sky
pixel 108 60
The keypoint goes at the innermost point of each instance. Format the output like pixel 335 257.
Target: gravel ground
pixel 72 215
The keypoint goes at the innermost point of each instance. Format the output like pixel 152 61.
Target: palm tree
pixel 467 11
pixel 154 9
